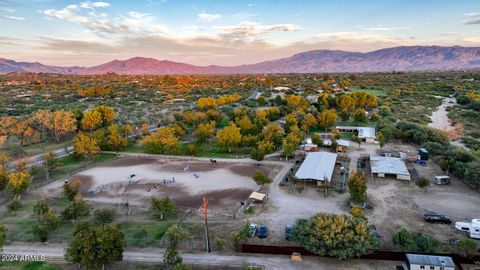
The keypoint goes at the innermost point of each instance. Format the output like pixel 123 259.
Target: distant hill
pixel 404 58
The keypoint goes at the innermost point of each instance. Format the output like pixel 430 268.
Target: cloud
pixel 86 15
pixel 12 17
pixel 473 18
pixel 208 17
pixel 251 29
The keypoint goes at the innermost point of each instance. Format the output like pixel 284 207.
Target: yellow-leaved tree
pixel 85 146
pixel 91 120
pixel 62 123
pixel 229 136
pixel 162 141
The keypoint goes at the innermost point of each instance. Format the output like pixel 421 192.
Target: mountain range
pixel 404 58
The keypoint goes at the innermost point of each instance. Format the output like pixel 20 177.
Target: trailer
pixel 442 180
pixel 471 228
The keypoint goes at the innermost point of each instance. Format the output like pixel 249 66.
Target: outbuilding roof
pixel 430 260
pixel 317 166
pixel 388 165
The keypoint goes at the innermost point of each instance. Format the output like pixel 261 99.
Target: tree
pixel 466 248
pixel 346 103
pixel 18 182
pixel 339 236
pixel 381 140
pixel 404 240
pixel 71 189
pixel 357 185
pixel 174 235
pixel 3 235
pixel 326 118
pixel 265 146
pixel 308 121
pixel 47 220
pixel 316 139
pixel 162 141
pixel 62 123
pixel 50 163
pixel 191 149
pixel 360 116
pixel 426 243
pixel 204 131
pixel 85 146
pixel 261 179
pixel 423 183
pixel 357 139
pixel 257 154
pixel 115 142
pixel 93 248
pixel 78 208
pixel 107 114
pixel 91 120
pixel 206 103
pixel 229 136
pixel 241 236
pixel 162 207
pixel 272 133
pixel 104 215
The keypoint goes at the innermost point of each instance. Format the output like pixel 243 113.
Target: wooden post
pixel 206 222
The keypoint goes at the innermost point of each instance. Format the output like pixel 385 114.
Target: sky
pixel 224 32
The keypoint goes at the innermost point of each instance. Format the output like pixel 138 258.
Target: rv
pixel 442 180
pixel 472 229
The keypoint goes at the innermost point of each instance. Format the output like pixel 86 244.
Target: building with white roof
pixel 421 261
pixel 365 133
pixel 317 166
pixel 384 166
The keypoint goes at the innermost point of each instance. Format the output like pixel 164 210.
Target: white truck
pixel 471 228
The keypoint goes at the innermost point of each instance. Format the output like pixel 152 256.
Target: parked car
pixel 253 229
pixel 288 232
pixel 434 217
pixel 262 232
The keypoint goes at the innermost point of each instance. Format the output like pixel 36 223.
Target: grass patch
pixel 27 266
pixel 34 149
pixel 144 234
pixel 375 92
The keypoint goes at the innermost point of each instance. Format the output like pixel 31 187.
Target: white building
pixel 430 262
pixel 384 166
pixel 365 133
pixel 317 166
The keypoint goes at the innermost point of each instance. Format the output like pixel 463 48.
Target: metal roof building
pixel 363 132
pixel 317 166
pixel 420 261
pixel 383 166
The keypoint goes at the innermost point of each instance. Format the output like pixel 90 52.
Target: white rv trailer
pixel 472 228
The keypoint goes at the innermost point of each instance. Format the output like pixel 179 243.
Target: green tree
pixel 339 236
pixel 174 235
pixel 50 163
pixel 104 215
pixel 77 208
pixel 357 185
pixel 257 154
pixel 3 235
pixel 357 139
pixel 241 236
pixel 360 116
pixel 381 140
pixel 404 240
pixel 162 207
pixel 261 179
pixel 94 248
pixel 426 243
pixel 71 189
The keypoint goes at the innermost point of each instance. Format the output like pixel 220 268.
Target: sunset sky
pixel 229 32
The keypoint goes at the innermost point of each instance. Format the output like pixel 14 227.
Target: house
pixel 367 134
pixel 317 166
pixel 430 262
pixel 384 166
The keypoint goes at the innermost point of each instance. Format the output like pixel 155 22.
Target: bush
pixel 423 183
pixel 15 205
pixel 426 243
pixel 466 248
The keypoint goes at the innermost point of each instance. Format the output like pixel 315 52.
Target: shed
pixel 365 133
pixel 421 261
pixel 317 166
pixel 258 196
pixel 382 166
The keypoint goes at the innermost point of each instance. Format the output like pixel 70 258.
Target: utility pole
pixel 206 222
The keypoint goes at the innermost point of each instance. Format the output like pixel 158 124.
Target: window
pixel 432 267
pixel 422 266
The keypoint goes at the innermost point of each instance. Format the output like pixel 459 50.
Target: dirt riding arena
pixel 226 184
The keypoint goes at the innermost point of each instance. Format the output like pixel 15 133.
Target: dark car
pixel 434 217
pixel 262 232
pixel 288 232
